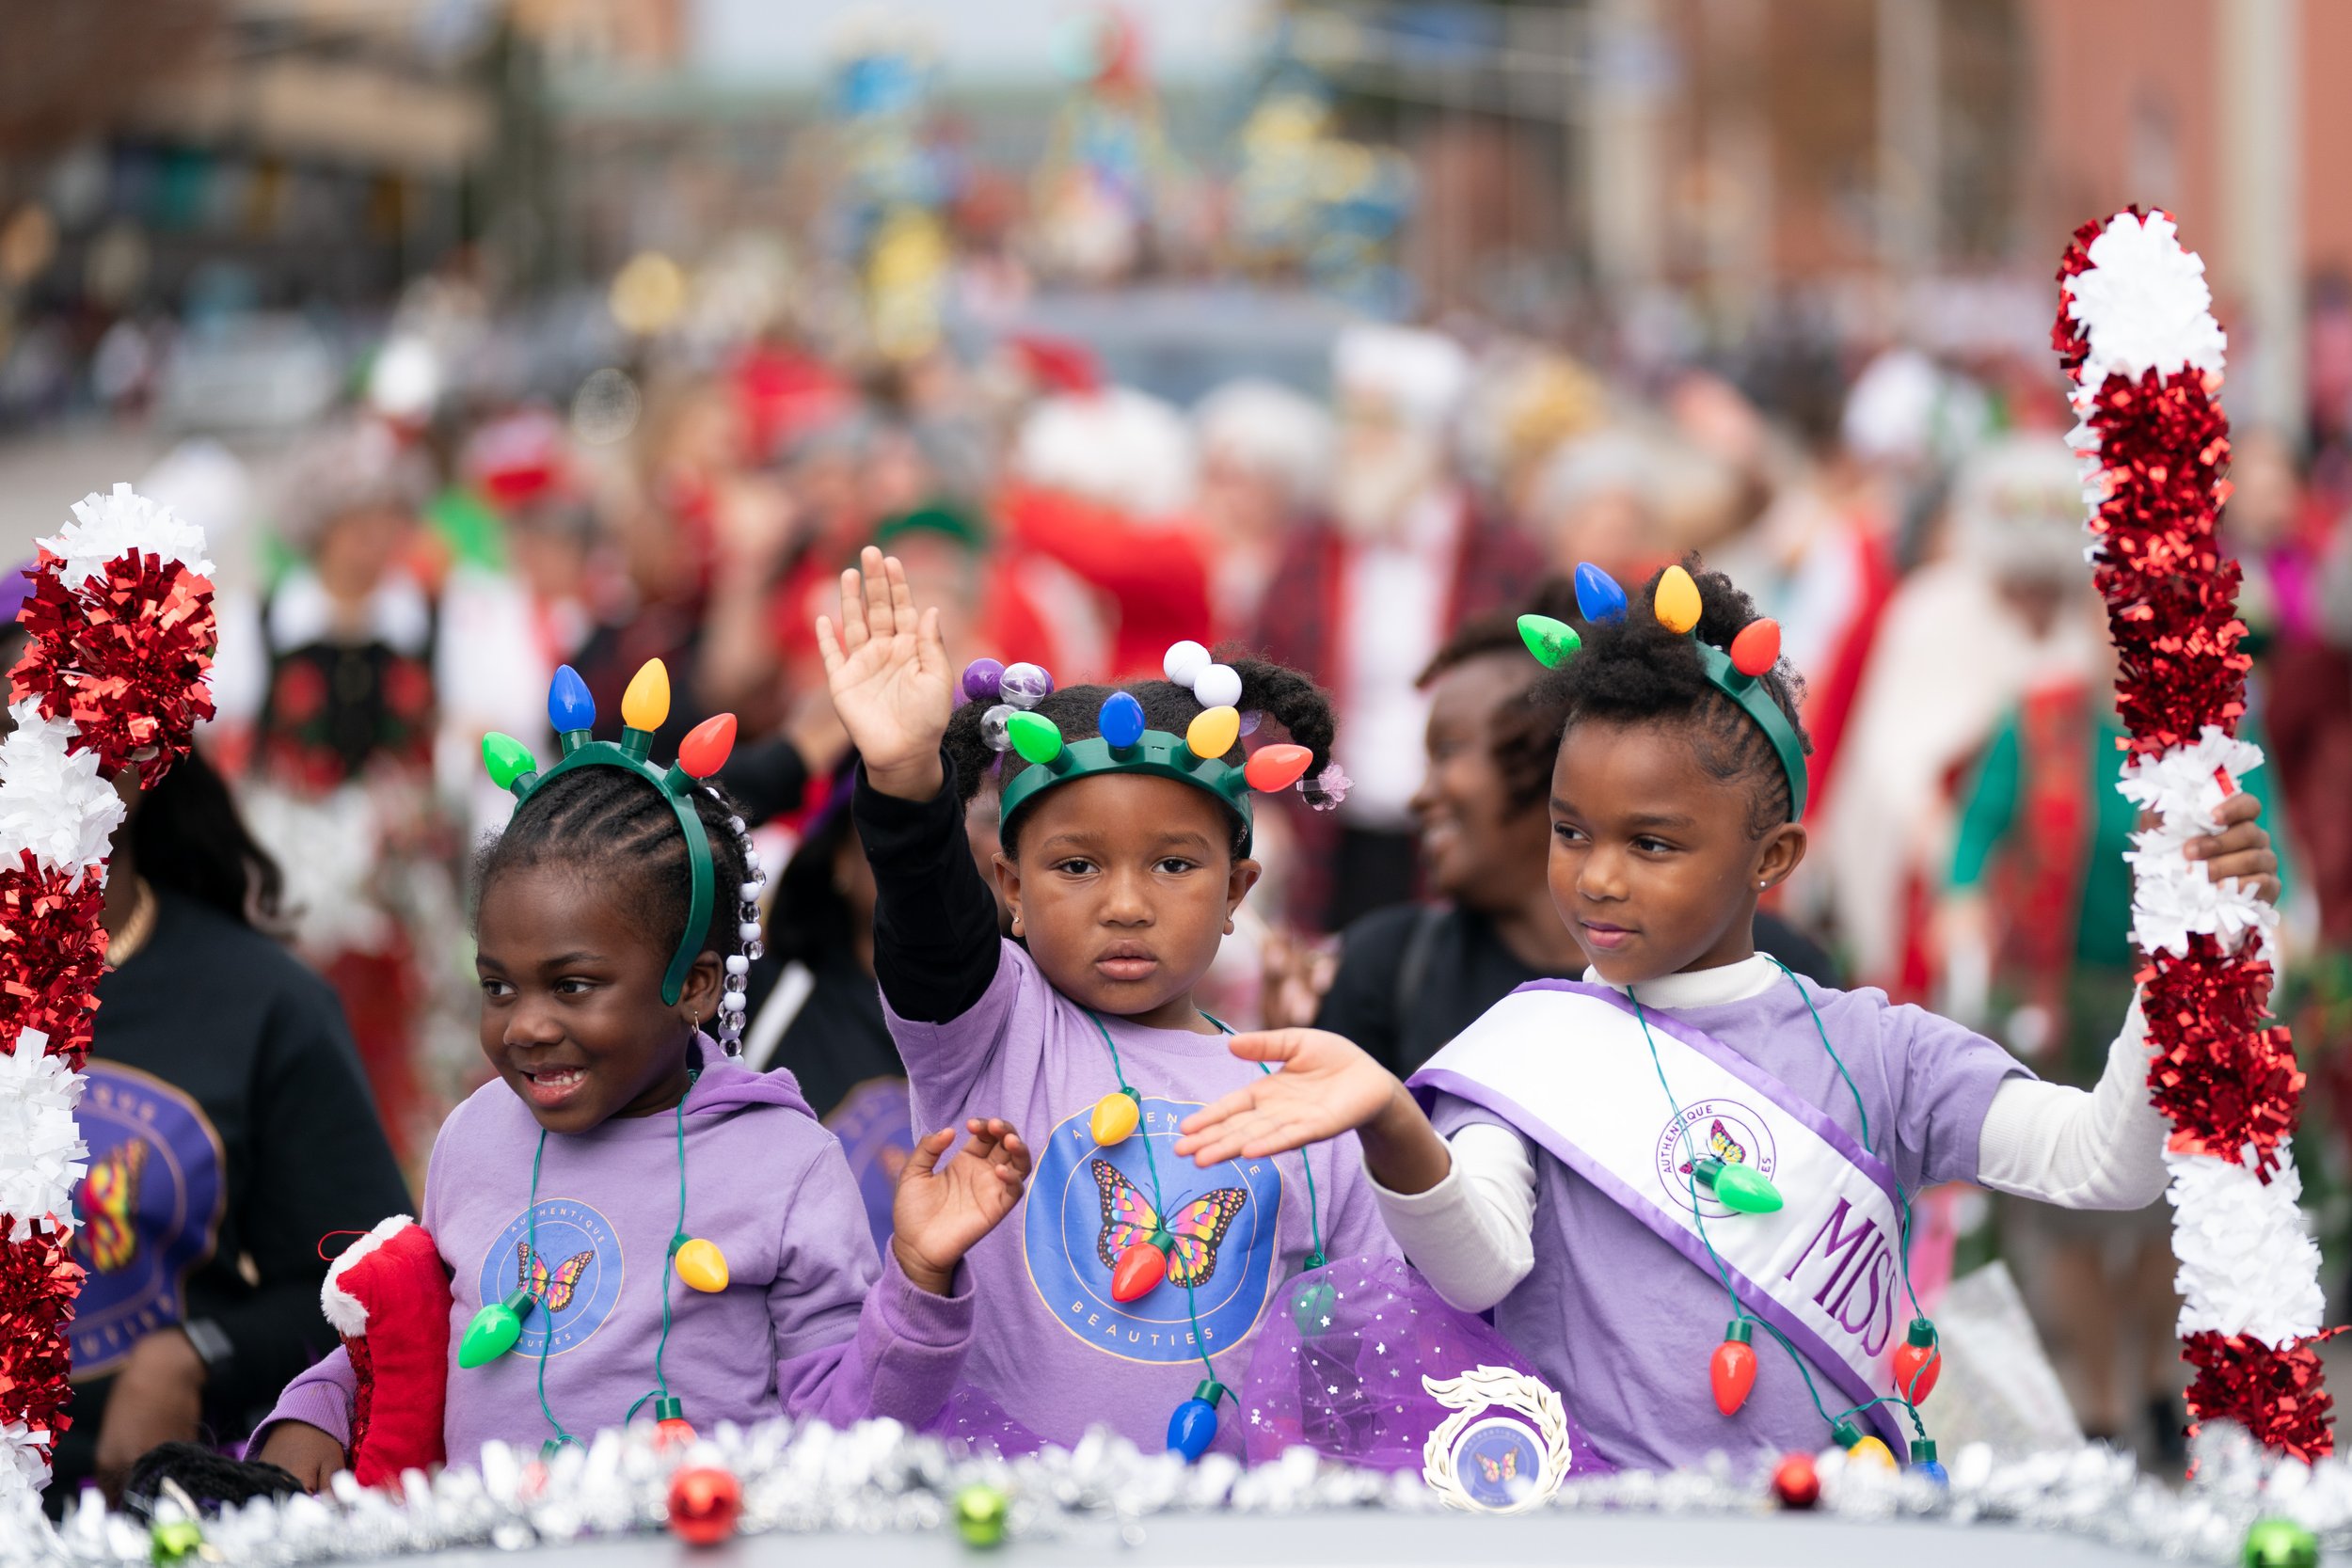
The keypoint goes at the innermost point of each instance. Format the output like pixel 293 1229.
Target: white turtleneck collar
pixel 1703 988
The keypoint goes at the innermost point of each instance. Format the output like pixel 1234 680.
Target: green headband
pixel 644 708
pixel 1737 674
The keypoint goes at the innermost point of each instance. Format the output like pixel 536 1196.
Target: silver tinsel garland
pixel 876 1480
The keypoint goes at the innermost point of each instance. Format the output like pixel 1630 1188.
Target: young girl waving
pixel 634 1220
pixel 1133 1281
pixel 1661 1178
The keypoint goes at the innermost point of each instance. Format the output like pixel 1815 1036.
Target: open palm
pixel 888 672
pixel 941 1210
pixel 1326 1086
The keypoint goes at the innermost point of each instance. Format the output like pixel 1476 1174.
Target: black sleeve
pixel 1362 1003
pixel 320 1165
pixel 1800 952
pixel 936 944
pixel 769 779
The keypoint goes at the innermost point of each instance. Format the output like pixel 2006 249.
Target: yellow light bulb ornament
pixel 1213 733
pixel 702 1265
pixel 646 702
pixel 1677 600
pixel 1115 1119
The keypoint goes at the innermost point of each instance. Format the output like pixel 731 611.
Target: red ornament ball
pixel 1796 1483
pixel 704 1502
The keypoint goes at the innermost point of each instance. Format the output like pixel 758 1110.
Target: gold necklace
pixel 124 945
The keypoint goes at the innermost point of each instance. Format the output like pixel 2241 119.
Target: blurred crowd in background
pixel 1211 364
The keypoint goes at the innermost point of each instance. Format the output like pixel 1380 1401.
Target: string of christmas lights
pixel 113 680
pixel 2137 334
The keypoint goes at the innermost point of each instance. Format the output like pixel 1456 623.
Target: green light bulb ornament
pixel 493 1330
pixel 2281 1544
pixel 1739 1188
pixel 506 759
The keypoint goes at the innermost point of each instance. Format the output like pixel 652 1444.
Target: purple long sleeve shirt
pixel 810 1323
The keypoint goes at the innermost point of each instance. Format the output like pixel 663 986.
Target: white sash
pixel 1567 1065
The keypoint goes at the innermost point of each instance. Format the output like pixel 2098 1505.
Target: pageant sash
pixel 1566 1065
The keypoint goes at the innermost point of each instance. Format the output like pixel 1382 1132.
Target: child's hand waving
pixel 1326 1086
pixel 888 671
pixel 941 1210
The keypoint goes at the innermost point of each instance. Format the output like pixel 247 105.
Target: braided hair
pixel 613 826
pixel 1637 671
pixel 1284 696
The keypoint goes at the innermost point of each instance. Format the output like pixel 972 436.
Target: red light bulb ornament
pixel 1141 1268
pixel 1278 767
pixel 1731 1370
pixel 1918 1361
pixel 707 747
pixel 1756 648
pixel 670 1426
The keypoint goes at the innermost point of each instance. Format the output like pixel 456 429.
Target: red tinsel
pixel 2221 1073
pixel 52 952
pixel 2273 1393
pixel 2067 336
pixel 39 1280
pixel 123 657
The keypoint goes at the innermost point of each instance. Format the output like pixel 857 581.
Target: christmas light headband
pixel 1124 745
pixel 644 707
pixel 1737 674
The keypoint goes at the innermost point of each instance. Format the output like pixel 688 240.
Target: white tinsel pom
pixel 43 1157
pixel 106 528
pixel 2144 303
pixel 2172 896
pixel 23 1467
pixel 2247 1265
pixel 53 801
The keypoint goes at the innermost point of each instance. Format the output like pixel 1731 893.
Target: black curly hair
pixel 1284 696
pixel 1526 735
pixel 613 826
pixel 1636 671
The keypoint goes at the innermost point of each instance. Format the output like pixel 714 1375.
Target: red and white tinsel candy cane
pixel 2137 333
pixel 120 635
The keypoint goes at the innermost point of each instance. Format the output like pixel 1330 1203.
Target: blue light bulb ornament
pixel 1924 1462
pixel 1597 596
pixel 1120 720
pixel 1192 1427
pixel 570 709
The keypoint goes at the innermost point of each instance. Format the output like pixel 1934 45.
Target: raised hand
pixel 941 1210
pixel 1326 1086
pixel 888 672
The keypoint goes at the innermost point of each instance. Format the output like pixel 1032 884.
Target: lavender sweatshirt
pixel 809 1324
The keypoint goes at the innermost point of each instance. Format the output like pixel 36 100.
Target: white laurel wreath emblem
pixel 1494 1388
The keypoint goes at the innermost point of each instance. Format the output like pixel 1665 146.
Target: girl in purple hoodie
pixel 677 1235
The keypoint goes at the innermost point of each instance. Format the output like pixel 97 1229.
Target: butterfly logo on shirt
pixel 552 1289
pixel 1723 1146
pixel 109 1205
pixel 1198 1225
pixel 1505 1468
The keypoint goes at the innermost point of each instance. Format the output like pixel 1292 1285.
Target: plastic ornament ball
pixel 1218 686
pixel 980 678
pixel 506 759
pixel 1553 642
pixel 980 1514
pixel 1731 1370
pixel 1213 732
pixel 1597 596
pixel 2281 1544
pixel 1120 720
pixel 1025 686
pixel 493 1331
pixel 1677 600
pixel 1924 1462
pixel 1114 1120
pixel 173 1542
pixel 1036 737
pixel 1192 1427
pixel 1797 1481
pixel 1756 648
pixel 1312 1305
pixel 646 702
pixel 995 731
pixel 1273 768
pixel 1251 718
pixel 1140 1269
pixel 1918 1361
pixel 704 1502
pixel 707 746
pixel 702 1266
pixel 1870 1451
pixel 570 707
pixel 1184 662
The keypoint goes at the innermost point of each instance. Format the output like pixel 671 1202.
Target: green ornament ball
pixel 2281 1544
pixel 980 1510
pixel 171 1542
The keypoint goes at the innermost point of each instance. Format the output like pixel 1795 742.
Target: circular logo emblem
pixel 873 1122
pixel 573 1274
pixel 148 1211
pixel 1506 1446
pixel 1088 1204
pixel 1724 1130
pixel 1498 1461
